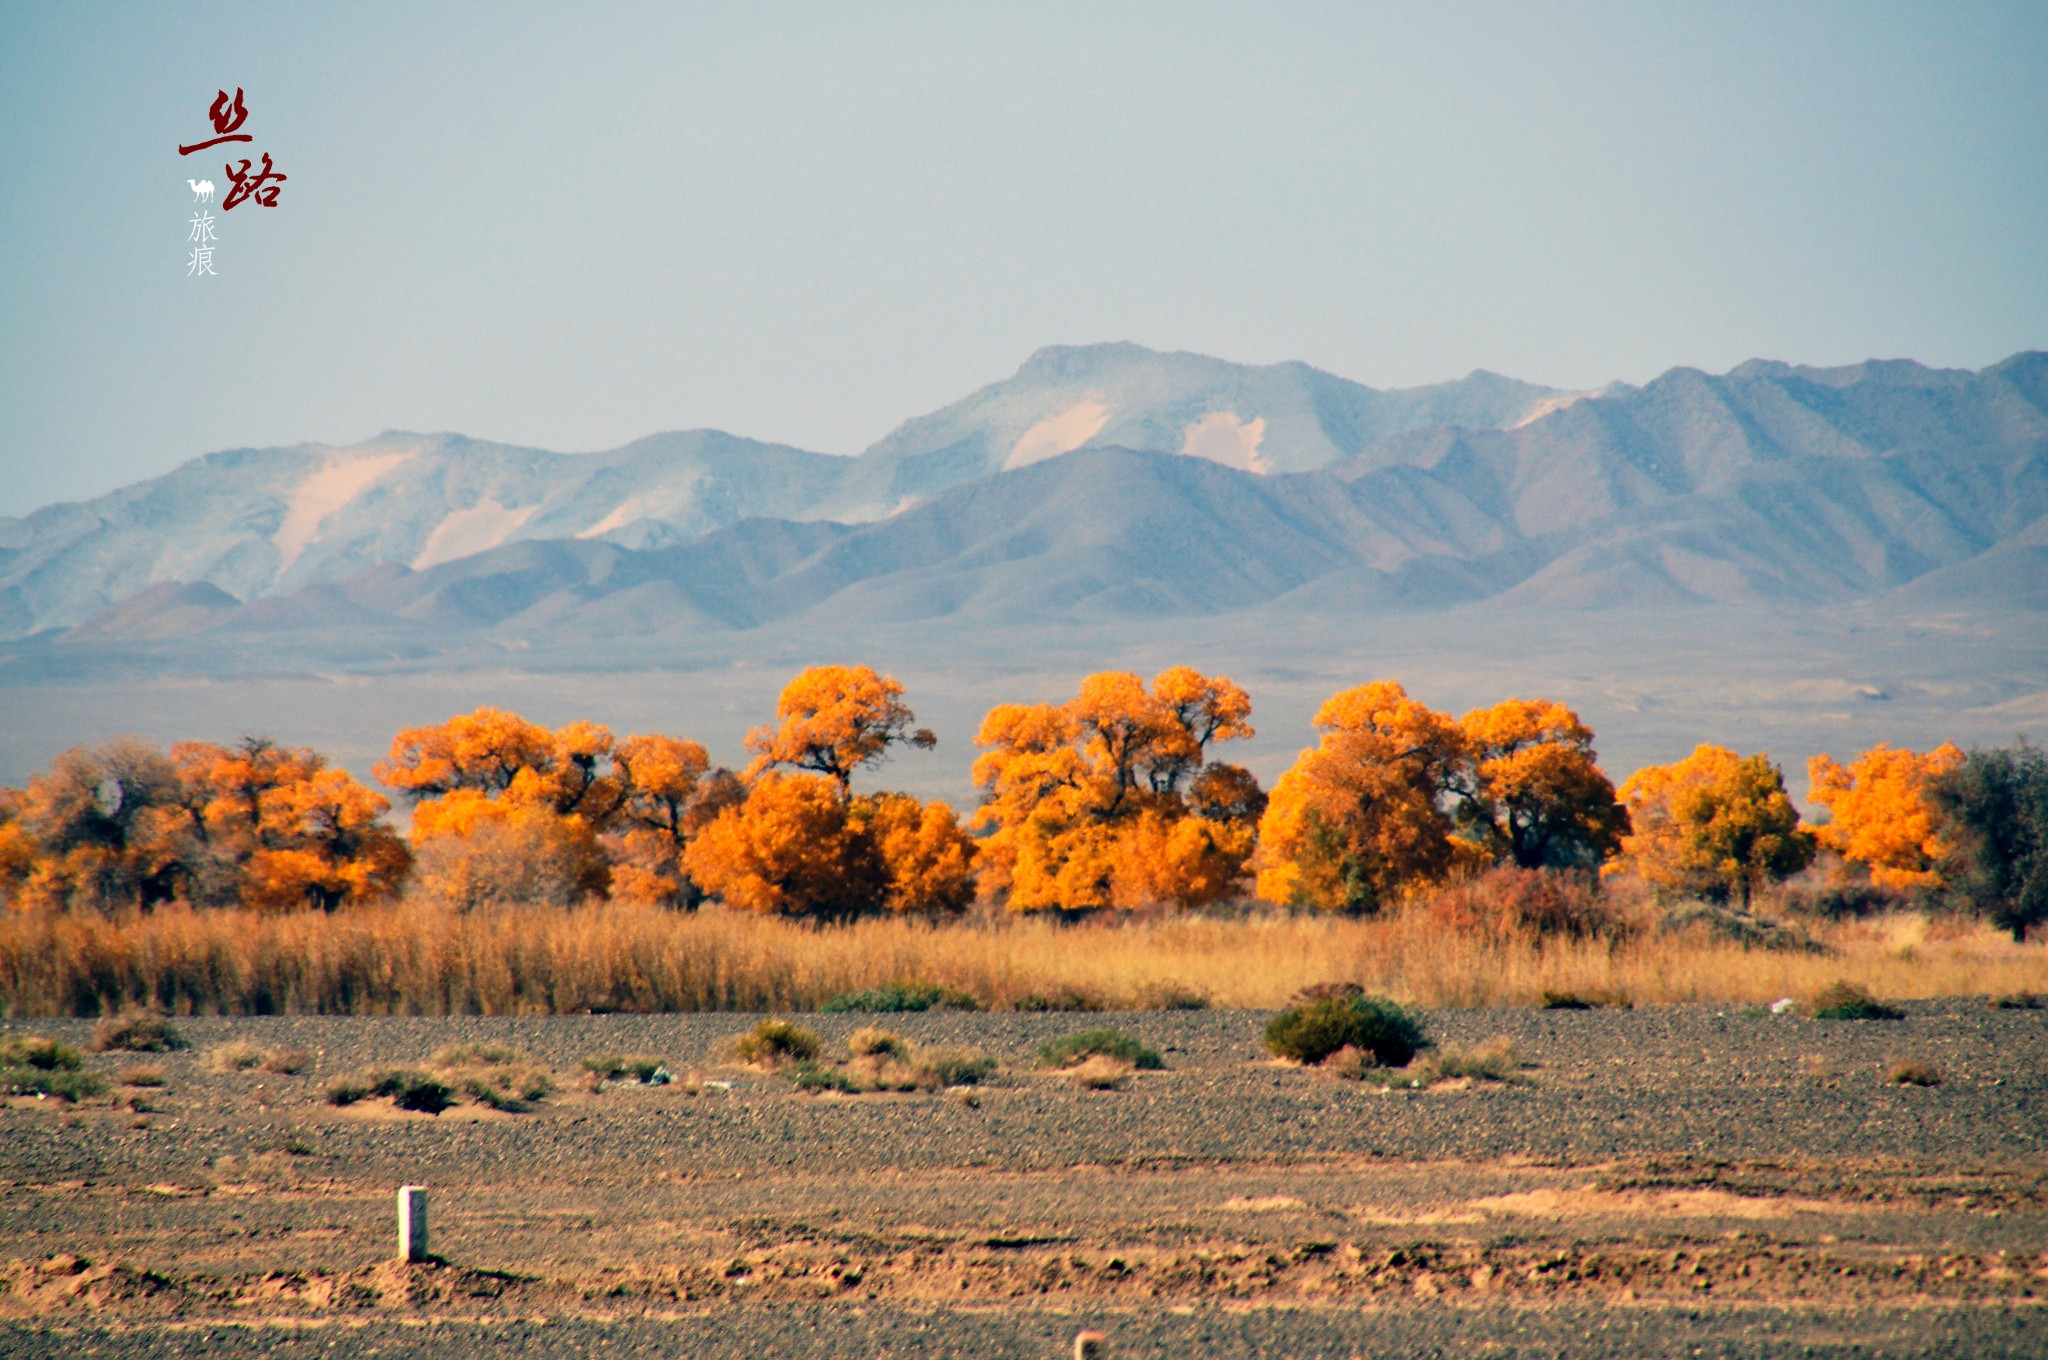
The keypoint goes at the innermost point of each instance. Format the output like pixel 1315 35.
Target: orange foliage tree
pixel 669 794
pixel 804 844
pixel 1530 789
pixel 835 719
pixel 1883 812
pixel 255 823
pixel 1359 819
pixel 1109 800
pixel 1713 824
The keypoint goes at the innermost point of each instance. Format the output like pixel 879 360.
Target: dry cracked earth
pixel 1669 1181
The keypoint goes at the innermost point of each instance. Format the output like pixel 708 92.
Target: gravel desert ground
pixel 1671 1180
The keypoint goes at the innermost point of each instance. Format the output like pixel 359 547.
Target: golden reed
pixel 398 960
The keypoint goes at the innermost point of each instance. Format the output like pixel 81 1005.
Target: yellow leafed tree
pixel 835 719
pixel 1110 800
pixel 1883 814
pixel 1714 824
pixel 1358 820
pixel 1530 789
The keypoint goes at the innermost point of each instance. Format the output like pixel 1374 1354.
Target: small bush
pixel 866 1043
pixel 1101 1073
pixel 817 1079
pixel 2018 1001
pixel 641 1067
pixel 903 996
pixel 510 1089
pixel 1171 996
pixel 1495 1060
pixel 1060 999
pixel 140 1076
pixel 772 1043
pixel 477 1055
pixel 1847 1001
pixel 67 1084
pixel 136 1033
pixel 1913 1073
pixel 946 1067
pixel 1583 1001
pixel 1311 1032
pixel 288 1062
pixel 408 1089
pixel 35 1050
pixel 1091 1043
pixel 235 1058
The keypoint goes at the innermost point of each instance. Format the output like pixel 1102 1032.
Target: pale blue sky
pixel 570 228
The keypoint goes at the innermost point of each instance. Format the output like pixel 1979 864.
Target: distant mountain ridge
pixel 259 522
pixel 1275 488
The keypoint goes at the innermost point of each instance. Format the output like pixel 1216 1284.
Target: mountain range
pixel 1099 482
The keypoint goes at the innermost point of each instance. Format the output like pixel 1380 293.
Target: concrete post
pixel 412 1222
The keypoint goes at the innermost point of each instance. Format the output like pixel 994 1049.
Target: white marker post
pixel 412 1222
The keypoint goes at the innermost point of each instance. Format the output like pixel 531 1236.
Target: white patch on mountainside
pixel 1222 438
pixel 483 526
pixel 1549 405
pixel 626 512
pixel 1060 433
pixel 337 482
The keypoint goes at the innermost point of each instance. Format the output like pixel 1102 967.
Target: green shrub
pixel 2019 1001
pixel 1495 1060
pixel 68 1084
pixel 813 1077
pixel 1089 1043
pixel 1312 1032
pixel 1847 1001
pixel 136 1033
pixel 511 1089
pixel 775 1042
pixel 955 1066
pixel 641 1067
pixel 903 996
pixel 34 1050
pixel 408 1088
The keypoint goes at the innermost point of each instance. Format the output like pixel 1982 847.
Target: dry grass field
pixel 402 960
pixel 1671 1180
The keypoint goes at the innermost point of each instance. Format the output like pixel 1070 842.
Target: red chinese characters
pixel 259 186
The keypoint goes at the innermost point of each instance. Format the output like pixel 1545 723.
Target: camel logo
pixel 202 190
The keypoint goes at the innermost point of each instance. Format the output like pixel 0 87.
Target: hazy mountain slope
pixel 259 521
pixel 1271 418
pixel 256 522
pixel 1770 484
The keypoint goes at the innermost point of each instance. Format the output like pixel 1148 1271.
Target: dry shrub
pixel 648 1069
pixel 136 1033
pixel 1584 1001
pixel 1101 1073
pixel 873 1041
pixel 1076 1048
pixel 235 1058
pixel 2019 1001
pixel 140 1075
pixel 531 858
pixel 1842 1000
pixel 288 1062
pixel 1497 1059
pixel 1912 1072
pixel 407 1088
pixel 1509 903
pixel 775 1043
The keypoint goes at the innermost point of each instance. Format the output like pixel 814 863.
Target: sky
pixel 568 227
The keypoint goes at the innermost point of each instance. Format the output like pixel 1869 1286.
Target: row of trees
pixel 1112 800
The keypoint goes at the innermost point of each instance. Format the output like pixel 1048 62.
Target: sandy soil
pixel 1659 1180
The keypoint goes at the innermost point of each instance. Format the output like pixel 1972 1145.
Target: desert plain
pixel 1670 1180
